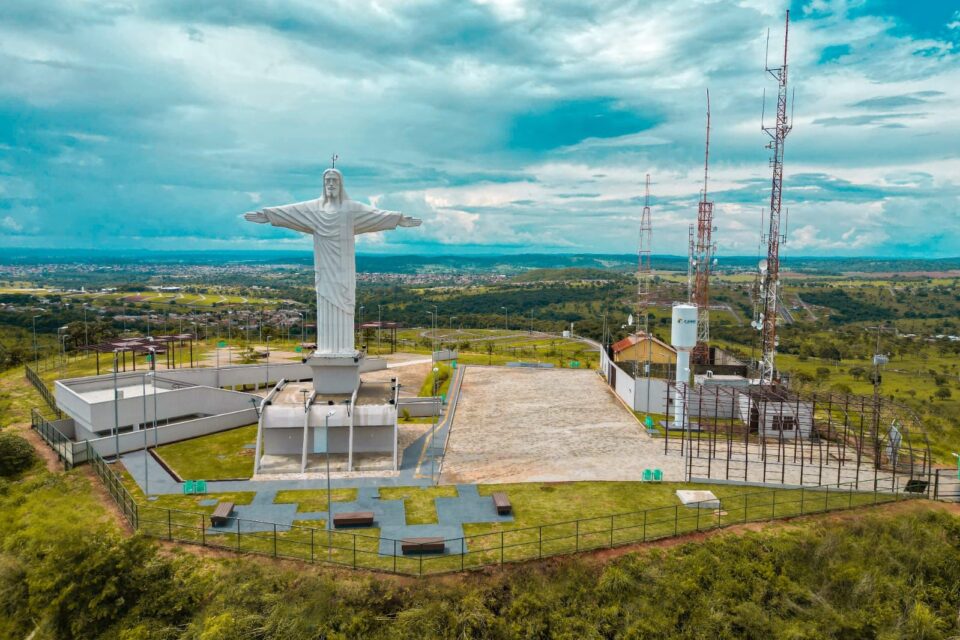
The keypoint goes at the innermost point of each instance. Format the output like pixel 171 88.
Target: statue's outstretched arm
pixel 371 219
pixel 289 216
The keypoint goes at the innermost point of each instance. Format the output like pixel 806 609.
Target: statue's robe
pixel 334 227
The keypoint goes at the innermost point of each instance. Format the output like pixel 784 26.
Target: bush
pixel 16 454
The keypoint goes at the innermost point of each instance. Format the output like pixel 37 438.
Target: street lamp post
pixel 379 326
pixel 326 448
pixel 116 406
pixel 436 417
pixel 143 427
pixel 36 351
pixel 86 335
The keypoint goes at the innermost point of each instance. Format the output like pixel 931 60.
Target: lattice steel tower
pixel 769 291
pixel 703 260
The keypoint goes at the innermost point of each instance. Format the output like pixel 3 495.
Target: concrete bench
pixel 221 514
pixel 353 519
pixel 502 503
pixel 422 545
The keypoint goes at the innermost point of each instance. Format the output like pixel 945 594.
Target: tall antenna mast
pixel 769 292
pixel 644 266
pixel 690 260
pixel 702 260
pixel 644 278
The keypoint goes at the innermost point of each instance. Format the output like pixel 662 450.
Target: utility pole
pixel 702 261
pixel 770 267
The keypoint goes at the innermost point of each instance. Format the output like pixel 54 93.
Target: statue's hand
pixel 407 221
pixel 256 216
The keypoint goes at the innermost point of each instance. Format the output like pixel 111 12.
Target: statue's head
pixel 333 190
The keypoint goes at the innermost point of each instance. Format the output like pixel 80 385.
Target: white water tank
pixel 683 334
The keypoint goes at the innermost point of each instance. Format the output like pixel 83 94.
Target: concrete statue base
pixel 335 373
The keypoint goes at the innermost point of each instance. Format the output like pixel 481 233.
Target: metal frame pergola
pixel 154 344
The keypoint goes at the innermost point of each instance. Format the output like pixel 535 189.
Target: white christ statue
pixel 333 221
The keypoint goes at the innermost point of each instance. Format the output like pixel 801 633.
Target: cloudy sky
pixel 506 125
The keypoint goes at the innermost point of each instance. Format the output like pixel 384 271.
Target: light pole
pixel 379 326
pixel 116 407
pixel 143 427
pixel 36 351
pixel 267 381
pixel 436 417
pixel 506 321
pixel 86 336
pixel 63 354
pixel 360 326
pixel 326 449
pixel 450 327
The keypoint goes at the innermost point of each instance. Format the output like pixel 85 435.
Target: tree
pixel 943 393
pixel 16 454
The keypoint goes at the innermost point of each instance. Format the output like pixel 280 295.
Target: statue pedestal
pixel 335 373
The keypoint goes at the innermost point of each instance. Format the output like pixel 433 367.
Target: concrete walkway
pixel 264 514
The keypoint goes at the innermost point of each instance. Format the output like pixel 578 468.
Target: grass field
pixel 418 502
pixel 219 456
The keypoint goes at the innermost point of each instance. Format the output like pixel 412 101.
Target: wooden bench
pixel 353 519
pixel 221 514
pixel 422 545
pixel 502 503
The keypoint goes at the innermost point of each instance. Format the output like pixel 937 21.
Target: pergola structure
pixel 379 326
pixel 772 434
pixel 146 346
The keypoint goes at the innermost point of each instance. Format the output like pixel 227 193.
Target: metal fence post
pixel 312 530
pixel 773 505
pixel 238 535
pixel 274 539
pixel 354 551
pixel 169 526
pixel 644 525
pixel 576 536
pixel 826 501
pixel 203 530
pixel 541 542
pixel 463 547
pixel 698 516
pixel 801 500
pixel 850 499
pixel 676 519
pixel 611 532
pixel 744 507
pixel 394 556
pixel 501 548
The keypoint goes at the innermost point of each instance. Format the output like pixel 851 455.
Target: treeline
pixel 875 576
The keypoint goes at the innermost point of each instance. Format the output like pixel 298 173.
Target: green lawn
pixel 220 456
pixel 418 502
pixel 308 500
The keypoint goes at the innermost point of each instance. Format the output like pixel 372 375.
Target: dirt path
pixel 45 453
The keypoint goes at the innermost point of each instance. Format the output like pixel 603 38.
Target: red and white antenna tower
pixel 769 290
pixel 703 260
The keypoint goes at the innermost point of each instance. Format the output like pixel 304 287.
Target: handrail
pixel 41 386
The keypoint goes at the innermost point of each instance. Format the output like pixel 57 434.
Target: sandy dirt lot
pixel 545 425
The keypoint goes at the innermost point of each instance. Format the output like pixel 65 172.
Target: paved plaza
pixel 546 425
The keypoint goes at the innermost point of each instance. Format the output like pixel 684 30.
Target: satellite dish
pixel 714 262
pixel 630 320
pixel 763 266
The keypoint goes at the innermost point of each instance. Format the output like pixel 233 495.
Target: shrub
pixel 16 454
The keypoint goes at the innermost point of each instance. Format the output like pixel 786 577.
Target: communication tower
pixel 769 290
pixel 703 260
